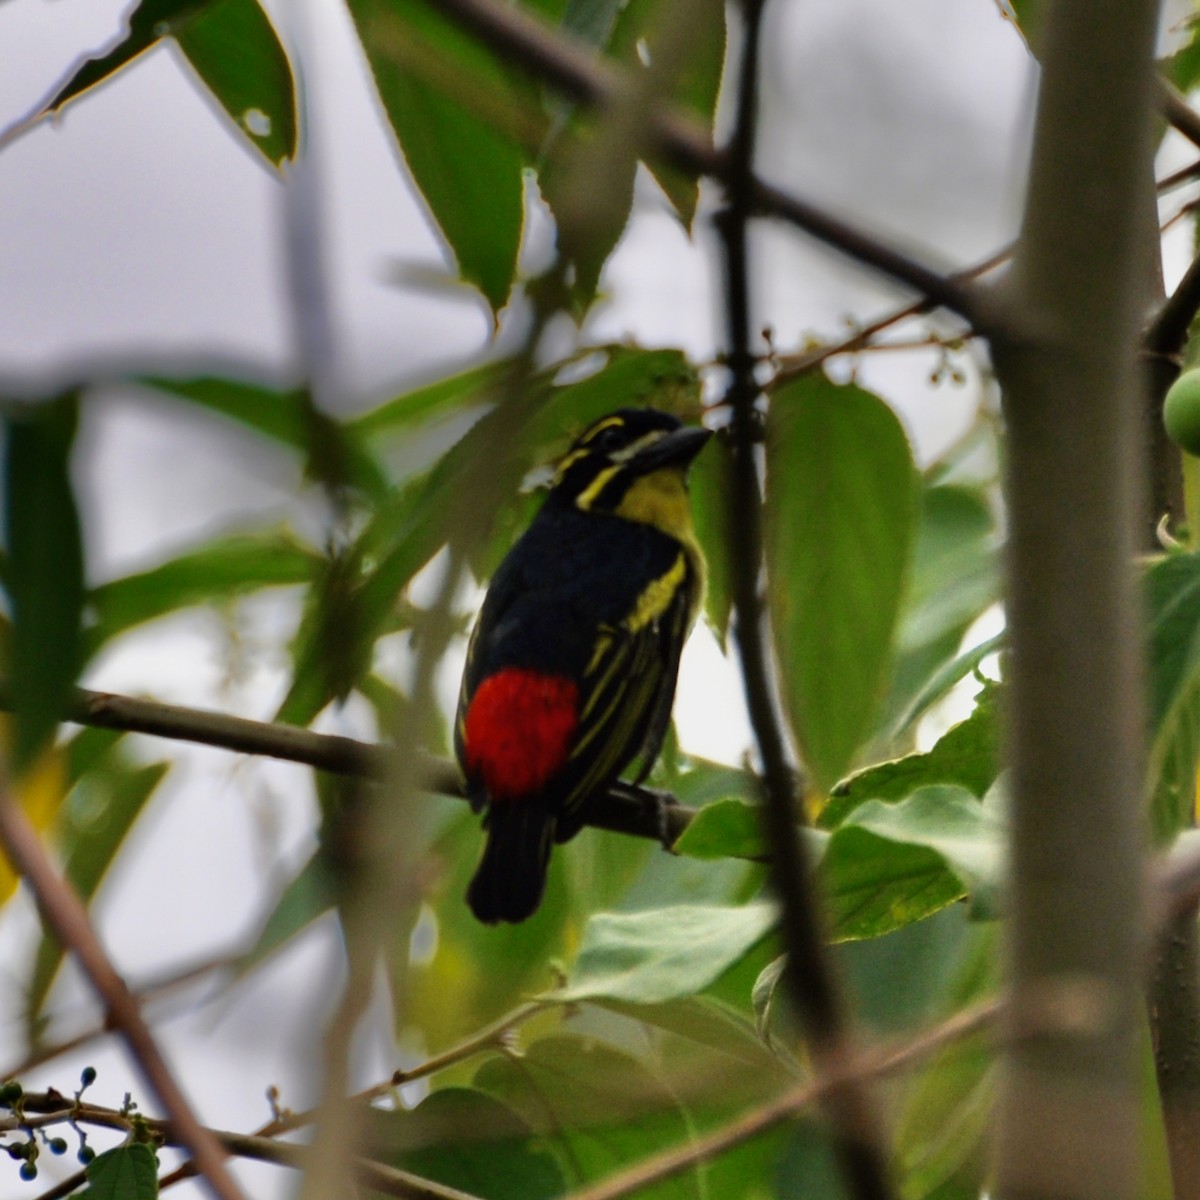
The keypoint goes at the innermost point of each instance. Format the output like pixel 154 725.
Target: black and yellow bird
pixel 571 668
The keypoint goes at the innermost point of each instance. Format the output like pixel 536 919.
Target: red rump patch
pixel 518 731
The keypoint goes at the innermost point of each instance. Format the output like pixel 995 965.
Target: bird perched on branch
pixel 572 664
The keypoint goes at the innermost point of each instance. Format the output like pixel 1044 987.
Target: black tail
pixel 511 875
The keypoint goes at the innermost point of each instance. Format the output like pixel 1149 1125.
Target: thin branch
pixel 66 916
pixel 1179 113
pixel 627 809
pixel 151 992
pixel 809 976
pixel 574 70
pixel 1167 333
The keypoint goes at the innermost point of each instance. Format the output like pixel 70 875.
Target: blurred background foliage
pixel 643 992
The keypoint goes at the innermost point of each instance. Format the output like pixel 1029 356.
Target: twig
pixel 1167 333
pixel 858 1071
pixel 66 916
pixel 1179 113
pixel 573 70
pixel 153 991
pixel 625 809
pixel 792 366
pixel 809 977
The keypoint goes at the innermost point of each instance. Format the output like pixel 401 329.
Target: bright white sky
pixel 138 230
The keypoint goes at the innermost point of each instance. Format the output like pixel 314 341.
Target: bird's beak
pixel 674 449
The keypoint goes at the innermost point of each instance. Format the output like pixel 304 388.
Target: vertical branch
pixel 809 976
pixel 1068 1107
pixel 64 913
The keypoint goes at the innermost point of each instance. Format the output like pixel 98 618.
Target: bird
pixel 572 663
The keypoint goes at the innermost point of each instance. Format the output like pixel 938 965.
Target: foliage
pixel 656 1020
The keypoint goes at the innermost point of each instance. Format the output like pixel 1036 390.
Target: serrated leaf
pixel 126 1173
pixel 234 50
pixel 876 885
pixel 439 86
pixel 840 522
pixel 99 813
pixel 45 572
pixel 468 1140
pixel 967 754
pixel 935 847
pixel 663 954
pixel 225 568
pixel 598 1107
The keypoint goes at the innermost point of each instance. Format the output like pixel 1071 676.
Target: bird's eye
pixel 610 439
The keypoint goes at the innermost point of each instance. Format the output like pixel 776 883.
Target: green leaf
pixel 956 569
pixel 598 1108
pixel 955 579
pixel 638 32
pixel 334 452
pixel 1172 600
pixel 126 1173
pixel 477 385
pixel 943 1130
pixel 233 49
pixel 809 1167
pixel 309 895
pixel 876 885
pixel 890 864
pixel 45 571
pixel 840 523
pixel 99 812
pixel 217 572
pixel 148 24
pixel 1183 67
pixel 708 482
pixel 663 954
pixel 467 1140
pixel 725 829
pixel 705 1021
pixel 237 54
pixel 439 86
pixel 967 754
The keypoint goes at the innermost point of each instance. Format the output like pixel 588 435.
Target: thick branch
pixel 1068 1110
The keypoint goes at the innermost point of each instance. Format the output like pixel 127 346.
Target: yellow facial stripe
pixel 657 598
pixel 601 426
pixel 568 461
pixel 587 497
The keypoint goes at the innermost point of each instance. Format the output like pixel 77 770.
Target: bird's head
pixel 629 462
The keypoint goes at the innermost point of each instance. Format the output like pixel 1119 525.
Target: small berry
pixel 11 1093
pixel 87 1076
pixel 57 1145
pixel 85 1155
pixel 28 1171
pixel 1181 411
